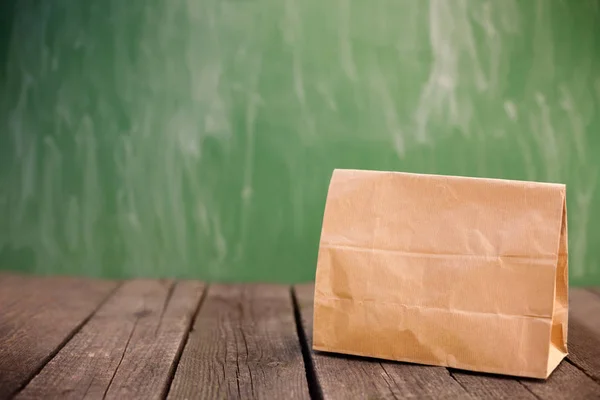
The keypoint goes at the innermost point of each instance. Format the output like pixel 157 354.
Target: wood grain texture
pixel 484 386
pixel 566 382
pixel 584 331
pixel 244 344
pixel 37 316
pixel 346 377
pixel 128 349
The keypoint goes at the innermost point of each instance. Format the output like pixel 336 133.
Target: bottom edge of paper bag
pixel 555 357
pixel 544 374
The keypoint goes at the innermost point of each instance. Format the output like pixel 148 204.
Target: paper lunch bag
pixel 467 273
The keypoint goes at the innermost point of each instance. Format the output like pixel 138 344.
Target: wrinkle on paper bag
pixel 460 272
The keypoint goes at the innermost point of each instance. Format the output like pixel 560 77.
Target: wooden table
pixel 144 339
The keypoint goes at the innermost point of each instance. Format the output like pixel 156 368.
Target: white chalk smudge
pixel 583 204
pixel 511 110
pixel 346 55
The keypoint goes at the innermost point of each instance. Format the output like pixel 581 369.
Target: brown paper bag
pixel 460 272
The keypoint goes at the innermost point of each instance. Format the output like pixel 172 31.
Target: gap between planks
pixel 245 345
pixel 341 376
pixel 578 375
pixel 67 353
pixel 314 388
pixel 183 344
pixel 150 352
pixel 67 339
pixel 576 364
pixel 38 318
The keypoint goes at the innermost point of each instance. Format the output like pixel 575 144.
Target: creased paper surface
pixel 461 272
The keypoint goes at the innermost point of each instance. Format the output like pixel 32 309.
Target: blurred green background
pixel 197 138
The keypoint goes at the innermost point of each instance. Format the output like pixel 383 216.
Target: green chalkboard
pixel 197 138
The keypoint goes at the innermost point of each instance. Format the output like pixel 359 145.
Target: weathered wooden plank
pixel 244 344
pixel 566 382
pixel 483 386
pixel 342 377
pixel 128 349
pixel 37 316
pixel 155 347
pixel 584 331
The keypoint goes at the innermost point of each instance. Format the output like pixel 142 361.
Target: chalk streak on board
pixel 196 138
